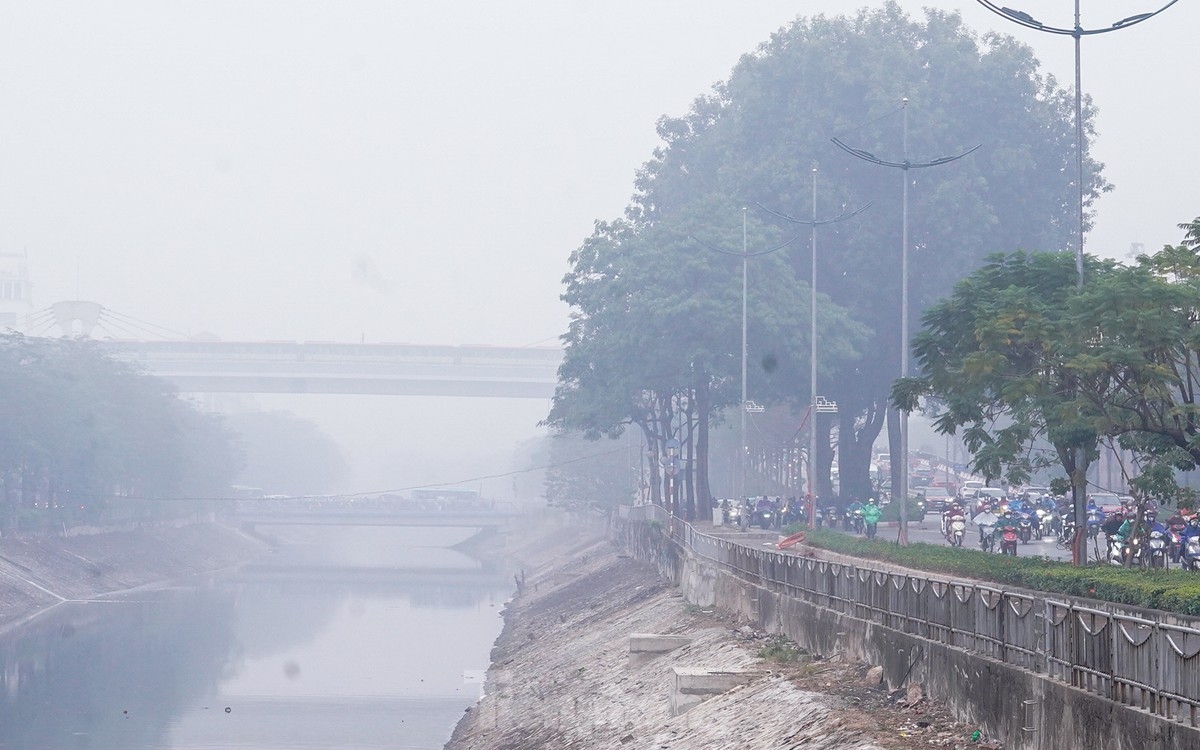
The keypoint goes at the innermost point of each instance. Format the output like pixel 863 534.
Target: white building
pixel 16 291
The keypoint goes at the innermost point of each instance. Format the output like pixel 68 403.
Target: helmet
pixel 1194 520
pixel 1008 513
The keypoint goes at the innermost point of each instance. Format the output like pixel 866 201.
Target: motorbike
pixel 765 517
pixel 857 521
pixel 1190 558
pixel 1066 531
pixel 1045 522
pixel 987 543
pixel 1175 540
pixel 956 531
pixel 1121 550
pixel 1026 528
pixel 1008 542
pixel 730 513
pixel 1157 548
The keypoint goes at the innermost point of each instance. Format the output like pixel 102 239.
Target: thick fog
pixel 419 171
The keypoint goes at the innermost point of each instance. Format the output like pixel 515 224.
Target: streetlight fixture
pixel 812 359
pixel 903 165
pixel 1022 18
pixel 745 405
pixel 1078 493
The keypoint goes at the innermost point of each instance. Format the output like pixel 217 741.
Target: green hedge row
pixel 1170 590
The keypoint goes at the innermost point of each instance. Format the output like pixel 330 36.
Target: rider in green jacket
pixel 871 513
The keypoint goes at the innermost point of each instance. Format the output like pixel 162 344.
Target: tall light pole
pixel 903 165
pixel 745 404
pixel 812 359
pixel 1078 482
pixel 1078 32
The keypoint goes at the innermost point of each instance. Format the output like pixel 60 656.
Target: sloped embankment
pixel 562 676
pixel 37 573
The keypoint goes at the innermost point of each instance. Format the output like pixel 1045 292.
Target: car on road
pixel 967 491
pixel 937 499
pixel 990 495
pixel 1108 503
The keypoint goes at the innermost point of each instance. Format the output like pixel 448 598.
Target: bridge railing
pixel 1146 659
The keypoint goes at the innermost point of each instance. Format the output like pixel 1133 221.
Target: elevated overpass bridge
pixel 334 368
pixel 374 517
pixel 214 366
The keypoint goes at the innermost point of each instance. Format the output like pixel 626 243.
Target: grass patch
pixel 1170 590
pixel 780 650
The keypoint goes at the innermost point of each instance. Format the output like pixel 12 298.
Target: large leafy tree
pixel 756 136
pixel 655 334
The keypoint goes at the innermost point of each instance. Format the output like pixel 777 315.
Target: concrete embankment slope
pixel 563 676
pixel 39 572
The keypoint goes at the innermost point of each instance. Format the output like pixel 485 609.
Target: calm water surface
pixel 343 638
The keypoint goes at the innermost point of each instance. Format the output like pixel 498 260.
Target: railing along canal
pixel 1148 662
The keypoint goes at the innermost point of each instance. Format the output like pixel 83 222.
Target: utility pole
pixel 903 165
pixel 812 359
pixel 1021 18
pixel 746 404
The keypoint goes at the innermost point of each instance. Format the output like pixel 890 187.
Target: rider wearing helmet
pixel 954 510
pixel 871 513
pixel 1007 522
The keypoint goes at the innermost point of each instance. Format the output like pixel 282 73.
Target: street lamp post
pixel 812 359
pixel 745 405
pixel 903 165
pixel 1078 488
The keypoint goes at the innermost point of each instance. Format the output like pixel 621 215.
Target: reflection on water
pixel 343 637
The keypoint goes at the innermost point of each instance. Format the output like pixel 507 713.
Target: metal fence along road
pixel 1145 659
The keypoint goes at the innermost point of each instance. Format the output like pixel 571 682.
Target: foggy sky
pixel 418 171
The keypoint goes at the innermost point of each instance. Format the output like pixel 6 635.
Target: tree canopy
pixel 82 431
pixel 654 314
pixel 1019 354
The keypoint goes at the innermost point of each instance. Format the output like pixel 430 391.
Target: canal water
pixel 341 638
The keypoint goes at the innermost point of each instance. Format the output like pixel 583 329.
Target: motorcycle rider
pixel 853 508
pixel 1112 525
pixel 954 510
pixel 1176 526
pixel 871 513
pixel 984 520
pixel 1007 522
pixel 1191 530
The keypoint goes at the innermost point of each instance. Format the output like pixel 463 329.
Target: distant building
pixel 16 290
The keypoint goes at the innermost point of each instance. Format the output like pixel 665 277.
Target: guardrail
pixel 1147 661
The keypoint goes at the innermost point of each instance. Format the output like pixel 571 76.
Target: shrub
pixel 1170 590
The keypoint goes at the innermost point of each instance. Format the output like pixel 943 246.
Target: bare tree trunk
pixel 824 456
pixel 652 444
pixel 689 511
pixel 703 489
pixel 665 417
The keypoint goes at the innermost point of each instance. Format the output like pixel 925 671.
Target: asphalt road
pixel 929 531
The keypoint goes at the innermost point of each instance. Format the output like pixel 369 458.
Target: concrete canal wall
pixel 1038 673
